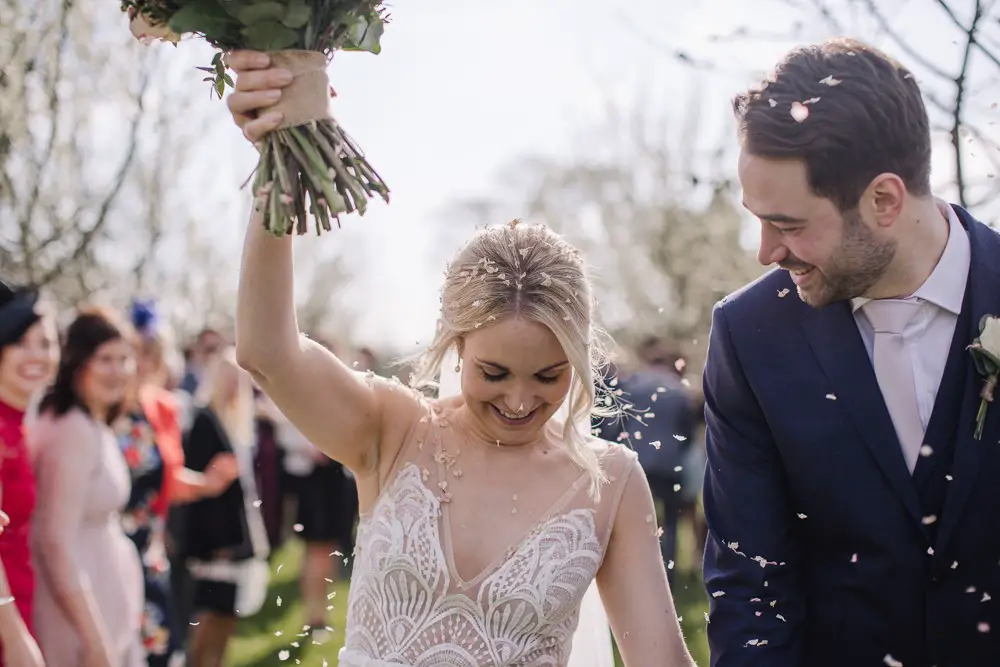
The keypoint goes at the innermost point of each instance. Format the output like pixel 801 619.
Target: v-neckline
pixel 448 543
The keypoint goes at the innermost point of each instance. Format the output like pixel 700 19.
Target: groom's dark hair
pixel 849 111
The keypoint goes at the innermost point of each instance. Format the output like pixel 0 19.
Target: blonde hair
pixel 236 415
pixel 159 346
pixel 529 271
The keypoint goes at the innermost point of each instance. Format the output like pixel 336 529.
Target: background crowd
pixel 149 483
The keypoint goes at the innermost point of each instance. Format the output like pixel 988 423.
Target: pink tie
pixel 894 371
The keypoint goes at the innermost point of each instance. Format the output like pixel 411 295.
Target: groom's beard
pixel 860 262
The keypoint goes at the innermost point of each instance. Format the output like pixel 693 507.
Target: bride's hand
pixel 258 85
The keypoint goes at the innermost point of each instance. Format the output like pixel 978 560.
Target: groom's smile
pixel 801 276
pixel 830 255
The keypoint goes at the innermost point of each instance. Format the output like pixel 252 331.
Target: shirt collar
pixel 945 287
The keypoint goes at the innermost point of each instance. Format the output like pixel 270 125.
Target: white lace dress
pixel 530 555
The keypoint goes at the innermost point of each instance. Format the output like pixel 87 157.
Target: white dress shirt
pixel 929 335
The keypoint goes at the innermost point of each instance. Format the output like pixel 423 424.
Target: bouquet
pixel 309 164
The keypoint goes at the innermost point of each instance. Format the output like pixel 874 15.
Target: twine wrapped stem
pixel 309 156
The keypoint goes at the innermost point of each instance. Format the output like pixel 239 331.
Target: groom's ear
pixel 884 198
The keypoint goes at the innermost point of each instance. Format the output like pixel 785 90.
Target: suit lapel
pixel 984 292
pixel 834 337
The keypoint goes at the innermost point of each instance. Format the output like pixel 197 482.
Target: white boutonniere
pixel 986 355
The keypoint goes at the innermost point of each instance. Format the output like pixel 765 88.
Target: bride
pixel 485 517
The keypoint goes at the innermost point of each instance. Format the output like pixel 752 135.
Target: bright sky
pixel 463 88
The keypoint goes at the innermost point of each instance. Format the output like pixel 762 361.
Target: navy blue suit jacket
pixel 823 549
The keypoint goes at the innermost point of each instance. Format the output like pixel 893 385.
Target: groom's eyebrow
pixel 775 217
pixel 779 218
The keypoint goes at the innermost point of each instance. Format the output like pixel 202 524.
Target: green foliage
pixel 259 24
pixel 269 36
pixel 270 25
pixel 312 169
pixel 207 18
pixel 297 14
pixel 364 34
pixel 220 78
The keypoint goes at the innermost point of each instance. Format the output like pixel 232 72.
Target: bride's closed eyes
pixel 492 372
pixel 500 377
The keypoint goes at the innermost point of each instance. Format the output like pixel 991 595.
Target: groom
pixel 854 518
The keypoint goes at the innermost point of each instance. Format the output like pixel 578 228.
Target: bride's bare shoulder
pixel 400 405
pixel 613 456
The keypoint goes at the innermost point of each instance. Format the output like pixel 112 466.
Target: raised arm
pixel 68 453
pixel 751 557
pixel 339 410
pixel 633 584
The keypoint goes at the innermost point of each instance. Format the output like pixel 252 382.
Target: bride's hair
pixel 529 271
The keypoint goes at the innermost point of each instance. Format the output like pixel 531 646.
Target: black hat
pixel 17 313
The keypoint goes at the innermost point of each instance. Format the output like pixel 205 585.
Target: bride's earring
pixel 458 366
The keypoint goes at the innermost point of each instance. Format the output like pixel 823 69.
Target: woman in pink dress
pixel 89 601
pixel 28 355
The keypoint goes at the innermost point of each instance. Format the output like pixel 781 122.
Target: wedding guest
pixel 28 357
pixel 207 344
pixel 327 512
pixel 226 538
pixel 196 356
pixel 149 436
pixel 90 592
pixel 269 460
pixel 692 483
pixel 661 431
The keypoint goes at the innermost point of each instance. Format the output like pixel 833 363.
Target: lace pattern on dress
pixel 405 605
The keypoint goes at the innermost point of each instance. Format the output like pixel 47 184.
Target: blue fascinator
pixel 144 318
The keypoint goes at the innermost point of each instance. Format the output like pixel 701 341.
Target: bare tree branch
pixel 822 8
pixel 89 235
pixel 665 239
pixel 913 53
pixel 980 11
pixel 956 135
pixel 956 105
pixel 54 103
pixel 95 144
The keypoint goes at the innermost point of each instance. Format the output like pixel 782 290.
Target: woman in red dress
pixel 28 358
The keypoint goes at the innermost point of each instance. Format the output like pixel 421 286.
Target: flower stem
pixel 980 419
pixel 317 162
pixel 989 388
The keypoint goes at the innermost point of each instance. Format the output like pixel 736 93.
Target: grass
pixel 275 635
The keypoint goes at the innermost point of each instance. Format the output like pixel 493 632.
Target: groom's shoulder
pixel 984 238
pixel 772 295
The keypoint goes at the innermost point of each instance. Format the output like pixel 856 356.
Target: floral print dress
pixel 146 527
